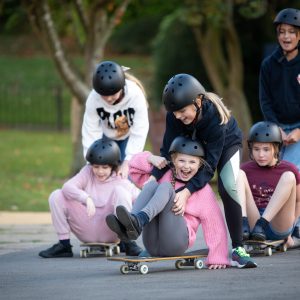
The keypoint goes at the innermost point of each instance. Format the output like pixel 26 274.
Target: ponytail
pixel 138 82
pixel 224 112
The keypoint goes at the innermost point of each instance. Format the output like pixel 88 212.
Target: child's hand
pixel 283 136
pixel 293 137
pixel 157 161
pixel 216 267
pixel 180 201
pixel 90 207
pixel 123 170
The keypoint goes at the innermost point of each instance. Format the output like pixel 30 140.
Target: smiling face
pixel 264 154
pixel 186 166
pixel 288 37
pixel 102 172
pixel 188 113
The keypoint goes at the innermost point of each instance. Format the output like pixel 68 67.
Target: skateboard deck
pixel 138 264
pixel 266 247
pixel 94 249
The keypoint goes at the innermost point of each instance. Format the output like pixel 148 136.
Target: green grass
pixel 33 164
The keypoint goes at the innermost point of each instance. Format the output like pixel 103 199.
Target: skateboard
pixel 266 247
pixel 92 249
pixel 138 264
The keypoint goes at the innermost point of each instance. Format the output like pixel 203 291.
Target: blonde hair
pixel 224 112
pixel 138 82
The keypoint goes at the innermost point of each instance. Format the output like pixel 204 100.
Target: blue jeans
pixel 291 152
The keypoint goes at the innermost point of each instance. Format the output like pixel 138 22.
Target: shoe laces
pixel 242 252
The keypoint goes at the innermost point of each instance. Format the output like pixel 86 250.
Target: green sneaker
pixel 241 259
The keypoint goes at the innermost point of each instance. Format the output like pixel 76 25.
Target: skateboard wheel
pixel 198 263
pixel 83 253
pixel 124 269
pixel 109 252
pixel 268 251
pixel 143 269
pixel 283 248
pixel 179 264
pixel 117 250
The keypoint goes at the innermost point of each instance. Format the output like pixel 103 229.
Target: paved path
pixel 24 275
pixel 19 231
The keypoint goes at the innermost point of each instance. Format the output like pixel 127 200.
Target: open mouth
pixel 185 175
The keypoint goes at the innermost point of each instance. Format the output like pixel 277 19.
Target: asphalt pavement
pixel 24 275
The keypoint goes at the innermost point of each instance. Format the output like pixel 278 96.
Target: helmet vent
pixel 180 84
pixel 195 147
pixel 109 77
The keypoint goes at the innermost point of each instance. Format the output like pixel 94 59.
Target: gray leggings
pixel 166 234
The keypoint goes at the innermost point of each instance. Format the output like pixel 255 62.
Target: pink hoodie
pixel 202 208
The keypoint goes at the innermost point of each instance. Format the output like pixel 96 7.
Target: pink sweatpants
pixel 71 216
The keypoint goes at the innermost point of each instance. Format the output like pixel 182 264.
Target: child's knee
pixel 288 177
pixel 55 196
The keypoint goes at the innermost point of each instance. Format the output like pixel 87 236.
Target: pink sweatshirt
pixel 201 208
pixel 85 184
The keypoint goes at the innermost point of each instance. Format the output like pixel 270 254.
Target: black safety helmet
pixel 265 132
pixel 104 152
pixel 109 78
pixel 289 16
pixel 187 146
pixel 180 91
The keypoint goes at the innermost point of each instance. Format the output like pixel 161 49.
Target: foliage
pixel 175 52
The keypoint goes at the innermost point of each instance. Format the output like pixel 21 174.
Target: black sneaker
pixel 258 233
pixel 130 222
pixel 296 232
pixel 116 226
pixel 57 250
pixel 132 249
pixel 246 229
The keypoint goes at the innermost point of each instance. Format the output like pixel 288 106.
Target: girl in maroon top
pixel 268 187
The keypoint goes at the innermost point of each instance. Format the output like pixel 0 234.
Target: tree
pixel 212 23
pixel 91 24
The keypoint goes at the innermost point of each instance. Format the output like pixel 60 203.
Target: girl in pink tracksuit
pixel 165 232
pixel 86 199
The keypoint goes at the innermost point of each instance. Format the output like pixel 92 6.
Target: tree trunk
pixel 220 51
pixel 77 110
pixel 157 119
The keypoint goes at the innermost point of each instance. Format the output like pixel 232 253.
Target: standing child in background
pixel 116 108
pixel 166 231
pixel 194 112
pixel 85 200
pixel 279 86
pixel 267 187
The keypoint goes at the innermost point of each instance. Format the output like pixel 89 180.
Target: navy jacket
pixel 279 88
pixel 216 138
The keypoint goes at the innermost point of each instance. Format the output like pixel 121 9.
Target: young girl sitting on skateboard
pixel 267 187
pixel 86 199
pixel 167 231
